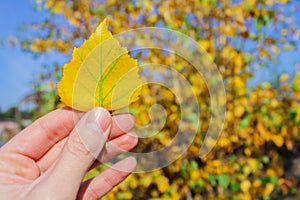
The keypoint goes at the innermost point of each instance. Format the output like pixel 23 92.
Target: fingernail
pixel 127 165
pixel 103 118
pixel 95 134
pixel 99 118
pixel 125 122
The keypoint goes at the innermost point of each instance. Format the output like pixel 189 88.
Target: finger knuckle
pixel 109 182
pixel 76 147
pixel 92 193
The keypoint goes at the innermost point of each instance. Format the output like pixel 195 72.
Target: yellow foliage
pixel 257 184
pixel 284 32
pixel 228 30
pixel 228 52
pixel 297 79
pixel 270 2
pixel 268 189
pixel 264 54
pixel 205 44
pixel 245 186
pixel 239 111
pixel 284 77
pixel 262 123
pixel 278 140
pixel 195 174
pixel 239 62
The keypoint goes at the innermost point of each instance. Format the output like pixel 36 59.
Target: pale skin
pixel 49 159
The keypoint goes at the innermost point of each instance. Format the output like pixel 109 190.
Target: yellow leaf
pixel 278 140
pixel 127 195
pixel 284 1
pixel 239 111
pixel 275 49
pixel 245 186
pixel 264 54
pixel 284 32
pixel 253 164
pixel 205 44
pixel 257 183
pixel 245 196
pixel 268 189
pixel 239 62
pixel 270 2
pixel 56 6
pixel 297 79
pixel 51 85
pixel 284 77
pixel 271 172
pixel 229 30
pixel 101 73
pixel 163 184
pixel 195 174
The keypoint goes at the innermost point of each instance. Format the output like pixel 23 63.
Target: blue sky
pixel 18 68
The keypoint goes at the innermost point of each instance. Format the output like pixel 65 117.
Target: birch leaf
pixel 100 73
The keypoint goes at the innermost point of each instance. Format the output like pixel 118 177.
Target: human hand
pixel 49 159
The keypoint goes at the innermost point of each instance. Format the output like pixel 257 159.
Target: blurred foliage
pixel 253 157
pixel 8 114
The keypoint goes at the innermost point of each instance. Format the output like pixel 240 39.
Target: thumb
pixel 83 146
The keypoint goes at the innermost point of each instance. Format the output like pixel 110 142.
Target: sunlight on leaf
pixel 101 73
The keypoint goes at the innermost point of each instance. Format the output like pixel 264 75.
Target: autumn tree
pixel 262 124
